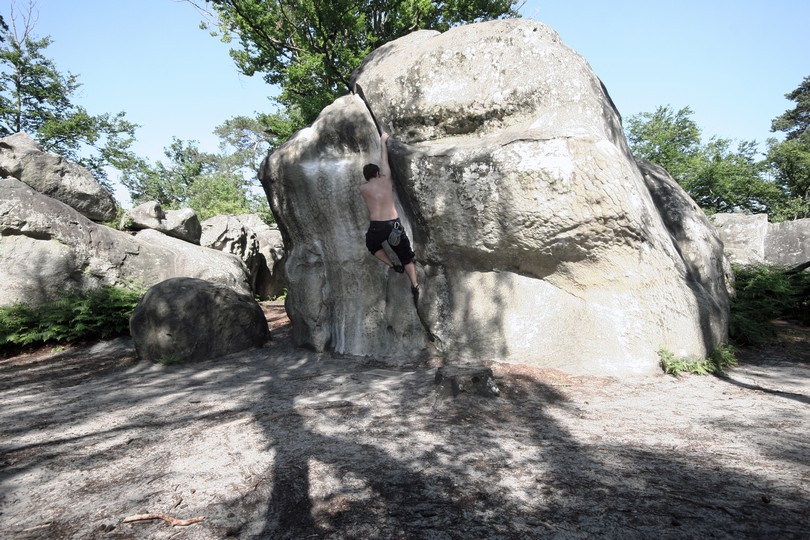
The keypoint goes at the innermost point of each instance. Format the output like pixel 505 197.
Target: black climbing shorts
pixel 378 232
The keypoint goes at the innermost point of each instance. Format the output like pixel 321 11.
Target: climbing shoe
pixel 398 268
pixel 415 293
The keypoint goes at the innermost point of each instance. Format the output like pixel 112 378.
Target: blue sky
pixel 730 61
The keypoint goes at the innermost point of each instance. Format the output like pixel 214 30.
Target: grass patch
pixel 169 359
pixel 75 316
pixel 717 362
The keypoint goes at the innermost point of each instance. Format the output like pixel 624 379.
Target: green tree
pixel 35 97
pixel 717 178
pixel 731 181
pixel 209 183
pixel 169 183
pixel 670 139
pixel 795 122
pixel 244 142
pixel 789 161
pixel 309 48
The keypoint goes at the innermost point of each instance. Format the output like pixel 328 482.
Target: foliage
pixel 169 183
pixel 169 359
pixel 795 122
pixel 789 161
pixel 36 98
pixel 310 48
pixel 716 364
pixel 670 139
pixel 717 178
pixel 102 313
pixel 282 297
pixel 727 181
pixel 211 184
pixel 216 194
pixel 722 180
pixel 764 293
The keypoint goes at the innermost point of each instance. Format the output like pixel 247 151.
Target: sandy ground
pixel 286 443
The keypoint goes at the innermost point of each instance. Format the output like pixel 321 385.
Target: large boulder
pixel 743 236
pixel 186 320
pixel 183 224
pixel 47 247
pixel 788 243
pixel 52 175
pixel 749 239
pixel 537 238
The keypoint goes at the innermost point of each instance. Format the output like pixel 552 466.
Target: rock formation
pixel 52 175
pixel 186 320
pixel 182 224
pixel 47 247
pixel 751 240
pixel 258 245
pixel 271 279
pixel 537 239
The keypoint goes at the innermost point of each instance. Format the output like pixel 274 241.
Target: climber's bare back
pixel 378 193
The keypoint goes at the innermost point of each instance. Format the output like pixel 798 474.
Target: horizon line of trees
pixel 309 49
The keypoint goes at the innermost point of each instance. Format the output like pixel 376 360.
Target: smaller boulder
pixel 52 175
pixel 191 320
pixel 743 236
pixel 271 279
pixel 227 233
pixel 183 224
pixel 451 381
pixel 788 243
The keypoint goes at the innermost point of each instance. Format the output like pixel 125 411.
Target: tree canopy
pixel 209 183
pixel 789 160
pixel 309 48
pixel 35 97
pixel 720 179
pixel 668 138
pixel 795 122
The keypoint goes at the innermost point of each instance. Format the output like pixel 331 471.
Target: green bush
pixel 100 314
pixel 765 293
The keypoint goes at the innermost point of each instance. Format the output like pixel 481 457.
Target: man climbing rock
pixel 378 192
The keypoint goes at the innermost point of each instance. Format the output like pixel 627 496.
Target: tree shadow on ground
pixel 499 468
pixel 358 449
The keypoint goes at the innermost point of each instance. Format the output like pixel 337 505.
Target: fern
pixel 716 363
pixel 101 313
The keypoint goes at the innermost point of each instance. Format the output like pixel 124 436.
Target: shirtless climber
pixel 378 192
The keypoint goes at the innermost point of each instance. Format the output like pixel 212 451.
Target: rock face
pixel 226 233
pixel 186 319
pixel 52 175
pixel 537 238
pixel 47 247
pixel 259 246
pixel 743 236
pixel 182 224
pixel 692 234
pixel 788 243
pixel 751 240
pixel 271 279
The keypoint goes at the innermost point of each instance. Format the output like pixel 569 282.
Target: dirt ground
pixel 286 443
